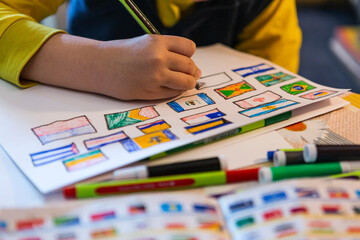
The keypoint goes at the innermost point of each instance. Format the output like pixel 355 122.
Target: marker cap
pixel 310 153
pixel 240 175
pixel 69 193
pixel 265 175
pixel 279 158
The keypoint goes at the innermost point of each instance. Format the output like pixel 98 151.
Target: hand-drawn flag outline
pixel 297 87
pixel 154 126
pixel 268 108
pixel 203 117
pixel 121 119
pixel 51 155
pixel 257 100
pixel 235 89
pixel 318 94
pixel 63 129
pixel 213 80
pixel 98 142
pixel 251 70
pixel 207 126
pixel 84 160
pixel 203 100
pixel 275 78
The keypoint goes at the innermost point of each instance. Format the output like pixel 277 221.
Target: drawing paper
pixel 58 137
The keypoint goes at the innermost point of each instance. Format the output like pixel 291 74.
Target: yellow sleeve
pixel 21 36
pixel 274 35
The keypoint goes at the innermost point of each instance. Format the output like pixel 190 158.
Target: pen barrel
pixel 285 158
pixel 301 171
pixel 331 153
pixel 197 166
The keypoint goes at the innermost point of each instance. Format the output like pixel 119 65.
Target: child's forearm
pixel 147 67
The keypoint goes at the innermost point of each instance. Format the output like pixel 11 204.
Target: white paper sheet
pixel 45 130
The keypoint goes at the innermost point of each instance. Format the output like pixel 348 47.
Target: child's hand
pixel 147 67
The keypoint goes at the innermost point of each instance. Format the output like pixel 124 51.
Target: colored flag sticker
pixel 297 87
pixel 171 207
pixel 191 102
pixel 272 79
pixel 235 90
pixel 48 156
pixel 63 129
pixel 121 119
pixel 251 70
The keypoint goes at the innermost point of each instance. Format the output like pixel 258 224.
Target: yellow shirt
pixel 274 34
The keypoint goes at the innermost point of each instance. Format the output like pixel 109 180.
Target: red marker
pixel 161 183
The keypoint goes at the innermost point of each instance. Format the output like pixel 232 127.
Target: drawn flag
pixel 247 71
pixel 121 119
pixel 234 90
pixel 318 94
pixel 154 126
pixel 203 117
pixel 212 80
pixel 95 143
pixel 258 100
pixel 191 102
pixel 84 160
pixel 272 79
pixel 55 154
pixel 63 129
pixel 203 127
pixel 297 87
pixel 268 108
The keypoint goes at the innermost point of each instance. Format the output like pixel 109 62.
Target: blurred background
pixel 320 61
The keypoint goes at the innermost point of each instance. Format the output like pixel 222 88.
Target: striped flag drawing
pixel 55 154
pixel 247 71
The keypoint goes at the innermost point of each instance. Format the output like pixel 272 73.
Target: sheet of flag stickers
pixel 299 209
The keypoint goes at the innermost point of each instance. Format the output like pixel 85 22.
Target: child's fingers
pixel 181 45
pixel 180 63
pixel 179 81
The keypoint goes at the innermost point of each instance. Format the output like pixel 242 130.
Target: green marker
pixel 139 17
pixel 352 176
pixel 270 174
pixel 174 182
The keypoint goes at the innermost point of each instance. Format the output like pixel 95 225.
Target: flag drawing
pixel 268 108
pixel 297 87
pixel 256 69
pixel 234 90
pixel 121 119
pixel 63 129
pixel 213 80
pixel 154 126
pixel 203 117
pixel 206 126
pixel 48 156
pixel 95 143
pixel 318 94
pixel 84 160
pixel 275 78
pixel 191 102
pixel 257 100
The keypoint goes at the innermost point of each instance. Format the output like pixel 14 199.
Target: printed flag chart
pixel 48 131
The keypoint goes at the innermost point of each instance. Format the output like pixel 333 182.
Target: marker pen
pixel 160 183
pixel 196 166
pixel 270 174
pixel 284 158
pixel 270 154
pixel 331 153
